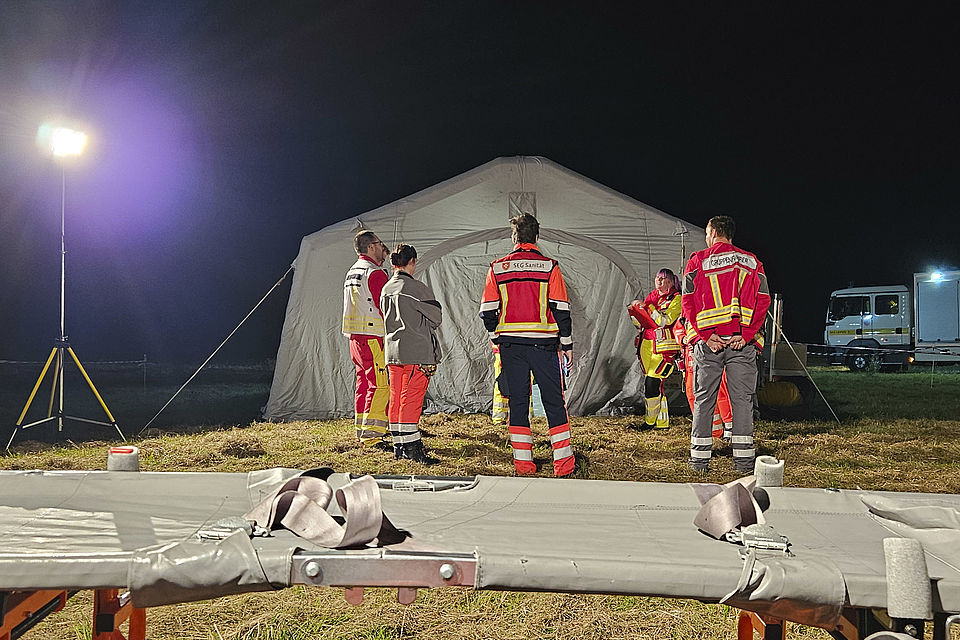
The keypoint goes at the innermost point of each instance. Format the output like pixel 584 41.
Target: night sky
pixel 222 133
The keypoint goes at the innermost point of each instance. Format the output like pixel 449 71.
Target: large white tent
pixel 609 246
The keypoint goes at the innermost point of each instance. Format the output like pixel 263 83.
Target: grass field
pixel 897 432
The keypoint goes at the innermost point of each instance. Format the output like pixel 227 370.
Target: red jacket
pixel 525 299
pixel 725 292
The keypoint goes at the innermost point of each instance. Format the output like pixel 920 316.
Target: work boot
pixel 415 451
pixel 397 451
pixel 745 469
pixel 524 468
pixel 381 444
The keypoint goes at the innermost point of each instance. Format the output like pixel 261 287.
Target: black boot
pixel 397 451
pixel 415 451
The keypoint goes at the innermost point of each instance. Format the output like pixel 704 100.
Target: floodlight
pixel 936 276
pixel 62 142
pixel 67 142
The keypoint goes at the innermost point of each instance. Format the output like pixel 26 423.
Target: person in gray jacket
pixel 411 315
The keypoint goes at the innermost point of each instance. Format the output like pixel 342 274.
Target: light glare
pixel 67 142
pixel 936 275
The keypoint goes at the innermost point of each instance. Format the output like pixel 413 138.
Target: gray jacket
pixel 411 313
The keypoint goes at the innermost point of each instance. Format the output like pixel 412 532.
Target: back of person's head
pixel 363 240
pixel 402 255
pixel 525 228
pixel 724 226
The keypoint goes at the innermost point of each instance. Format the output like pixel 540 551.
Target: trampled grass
pixel 897 435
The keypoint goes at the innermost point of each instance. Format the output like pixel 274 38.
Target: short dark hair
pixel 363 240
pixel 402 255
pixel 724 226
pixel 525 227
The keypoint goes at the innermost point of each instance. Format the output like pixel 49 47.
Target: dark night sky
pixel 224 132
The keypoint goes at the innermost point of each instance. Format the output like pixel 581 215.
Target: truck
pixel 891 326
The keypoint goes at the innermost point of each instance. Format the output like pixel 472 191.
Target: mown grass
pixel 898 436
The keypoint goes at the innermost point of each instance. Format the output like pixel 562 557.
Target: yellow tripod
pixel 60 349
pixel 64 142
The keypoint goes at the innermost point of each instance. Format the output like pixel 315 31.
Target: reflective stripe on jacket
pixel 361 313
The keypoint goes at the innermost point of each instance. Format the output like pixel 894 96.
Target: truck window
pixel 888 305
pixel 841 307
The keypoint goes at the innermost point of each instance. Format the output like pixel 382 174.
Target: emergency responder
pixel 526 311
pixel 657 347
pixel 411 314
pixel 363 325
pixel 725 301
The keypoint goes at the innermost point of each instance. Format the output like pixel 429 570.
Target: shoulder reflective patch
pixel 764 287
pixel 688 282
pixel 728 259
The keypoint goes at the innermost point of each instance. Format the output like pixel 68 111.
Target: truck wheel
pixel 859 362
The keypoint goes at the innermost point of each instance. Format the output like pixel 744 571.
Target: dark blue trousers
pixel 517 362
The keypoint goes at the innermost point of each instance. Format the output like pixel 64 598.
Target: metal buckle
pixel 760 536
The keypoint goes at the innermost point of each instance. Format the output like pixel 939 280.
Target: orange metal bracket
pixel 110 609
pixel 768 628
pixel 22 606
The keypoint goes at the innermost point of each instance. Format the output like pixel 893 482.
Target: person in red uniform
pixel 363 325
pixel 657 347
pixel 725 302
pixel 526 312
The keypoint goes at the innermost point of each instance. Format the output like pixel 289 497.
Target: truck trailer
pixel 894 325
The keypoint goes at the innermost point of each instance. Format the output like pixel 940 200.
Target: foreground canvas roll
pixel 79 530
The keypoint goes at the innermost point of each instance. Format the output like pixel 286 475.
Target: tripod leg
pixel 57 371
pixel 95 392
pixel 26 407
pixel 33 393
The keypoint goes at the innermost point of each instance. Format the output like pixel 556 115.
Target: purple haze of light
pixel 142 172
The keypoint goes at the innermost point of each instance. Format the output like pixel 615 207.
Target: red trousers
pixel 408 386
pixel 372 389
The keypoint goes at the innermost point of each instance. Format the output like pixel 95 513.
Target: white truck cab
pixel 863 320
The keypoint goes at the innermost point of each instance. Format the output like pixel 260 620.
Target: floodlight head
pixel 67 142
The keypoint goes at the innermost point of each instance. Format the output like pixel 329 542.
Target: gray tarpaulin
pixel 62 529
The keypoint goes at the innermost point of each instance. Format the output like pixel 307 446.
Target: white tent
pixel 609 247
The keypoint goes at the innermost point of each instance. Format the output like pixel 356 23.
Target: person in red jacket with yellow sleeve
pixel 526 312
pixel 725 302
pixel 657 348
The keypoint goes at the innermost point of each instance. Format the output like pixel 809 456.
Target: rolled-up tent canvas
pixel 609 247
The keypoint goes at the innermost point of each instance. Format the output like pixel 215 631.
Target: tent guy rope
pixel 210 357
